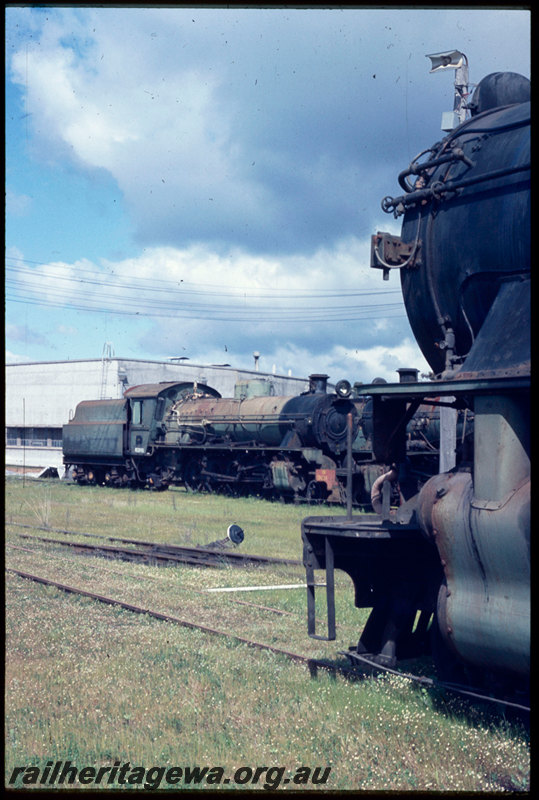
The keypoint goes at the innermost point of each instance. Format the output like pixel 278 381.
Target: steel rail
pixel 201 558
pixel 259 606
pixel 313 664
pixel 196 554
pixel 125 552
pixel 430 683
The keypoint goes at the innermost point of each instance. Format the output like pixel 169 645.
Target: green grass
pixel 171 516
pixel 93 684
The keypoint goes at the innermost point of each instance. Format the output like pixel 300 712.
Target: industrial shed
pixel 42 397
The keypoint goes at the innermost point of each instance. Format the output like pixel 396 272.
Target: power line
pixel 153 284
pixel 33 293
pixel 141 297
pixel 308 315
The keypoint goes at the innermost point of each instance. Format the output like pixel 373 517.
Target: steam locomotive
pixel 186 433
pixel 448 572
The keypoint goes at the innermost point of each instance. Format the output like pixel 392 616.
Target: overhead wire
pixel 309 315
pixel 207 289
pixel 141 296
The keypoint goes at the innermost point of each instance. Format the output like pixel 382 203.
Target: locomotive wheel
pixel 113 479
pixel 230 488
pixel 93 477
pixel 80 479
pixel 156 484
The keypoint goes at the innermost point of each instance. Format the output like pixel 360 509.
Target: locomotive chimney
pixel 318 384
pixel 408 375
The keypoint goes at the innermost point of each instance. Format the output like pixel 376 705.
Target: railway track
pixel 156 551
pixel 313 664
pixel 357 667
pixel 355 670
pixel 270 609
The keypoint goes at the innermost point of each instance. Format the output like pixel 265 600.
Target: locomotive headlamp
pixel 343 388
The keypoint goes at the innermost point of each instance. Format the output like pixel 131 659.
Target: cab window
pixel 136 418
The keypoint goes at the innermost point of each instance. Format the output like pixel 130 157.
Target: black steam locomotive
pixel 187 434
pixel 295 448
pixel 448 572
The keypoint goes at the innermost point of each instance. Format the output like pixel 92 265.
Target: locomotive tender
pixel 448 573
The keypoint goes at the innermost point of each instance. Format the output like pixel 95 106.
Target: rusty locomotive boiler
pixel 448 572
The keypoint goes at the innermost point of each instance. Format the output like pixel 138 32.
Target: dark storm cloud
pixel 274 130
pixel 316 105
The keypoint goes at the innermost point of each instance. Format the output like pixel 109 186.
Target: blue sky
pixel 204 182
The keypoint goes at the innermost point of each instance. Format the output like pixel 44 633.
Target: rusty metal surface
pixel 224 410
pixel 484 606
pixel 255 419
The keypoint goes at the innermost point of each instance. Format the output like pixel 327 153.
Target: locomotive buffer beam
pixel 387 562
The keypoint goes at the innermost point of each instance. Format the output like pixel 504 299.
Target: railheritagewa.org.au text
pixel 65 773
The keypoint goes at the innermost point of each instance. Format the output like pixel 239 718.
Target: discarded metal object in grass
pixel 234 536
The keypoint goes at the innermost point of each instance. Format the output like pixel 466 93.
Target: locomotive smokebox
pixel 466 220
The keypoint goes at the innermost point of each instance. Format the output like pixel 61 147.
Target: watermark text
pixel 60 773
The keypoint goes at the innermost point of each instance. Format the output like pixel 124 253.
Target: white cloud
pixel 331 280
pixel 67 330
pixel 383 361
pixel 252 148
pixel 320 313
pixel 264 129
